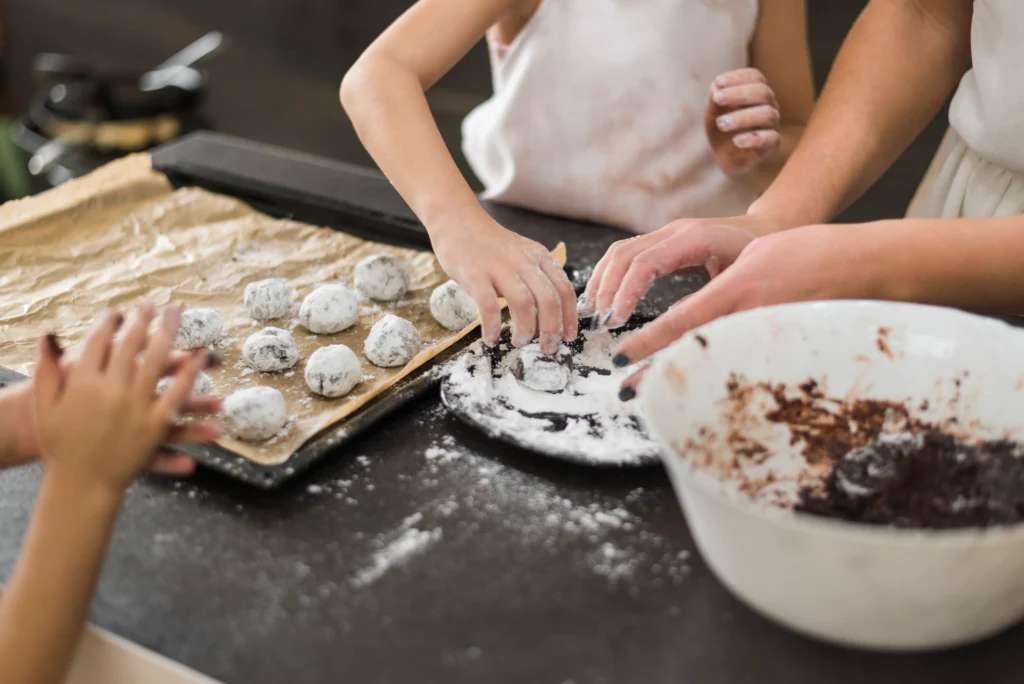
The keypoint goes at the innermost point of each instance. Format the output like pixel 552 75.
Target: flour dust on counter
pixel 470 490
pixel 409 542
pixel 616 547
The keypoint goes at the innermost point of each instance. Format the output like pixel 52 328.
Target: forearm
pixel 8 423
pixel 13 423
pixel 389 110
pixel 895 69
pixel 45 604
pixel 972 264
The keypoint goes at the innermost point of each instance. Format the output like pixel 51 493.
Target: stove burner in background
pixel 87 114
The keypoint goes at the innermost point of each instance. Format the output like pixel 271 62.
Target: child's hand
pixel 101 419
pixel 491 262
pixel 21 443
pixel 742 121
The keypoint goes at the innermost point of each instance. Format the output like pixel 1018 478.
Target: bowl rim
pixel 680 469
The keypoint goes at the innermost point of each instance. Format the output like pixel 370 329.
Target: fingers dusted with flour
pixel 742 120
pixel 755 115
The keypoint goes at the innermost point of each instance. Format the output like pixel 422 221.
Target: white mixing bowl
pixel 859 585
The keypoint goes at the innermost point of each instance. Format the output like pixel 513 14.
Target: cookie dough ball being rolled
pixel 333 371
pixel 199 388
pixel 382 277
pixel 268 299
pixel 452 306
pixel 199 328
pixel 270 350
pixel 392 341
pixel 255 414
pixel 543 372
pixel 329 309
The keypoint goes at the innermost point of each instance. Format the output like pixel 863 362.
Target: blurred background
pixel 276 78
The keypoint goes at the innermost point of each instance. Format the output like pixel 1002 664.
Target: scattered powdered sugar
pixel 445 451
pixel 615 544
pixel 585 423
pixel 411 542
pixel 614 563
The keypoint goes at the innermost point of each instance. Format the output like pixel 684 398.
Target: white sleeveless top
pixel 598 111
pixel 988 108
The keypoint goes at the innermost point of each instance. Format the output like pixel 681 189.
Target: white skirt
pixel 961 184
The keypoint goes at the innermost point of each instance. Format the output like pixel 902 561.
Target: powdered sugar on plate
pixel 585 423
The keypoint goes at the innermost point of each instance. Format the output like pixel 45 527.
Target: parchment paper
pixel 122 233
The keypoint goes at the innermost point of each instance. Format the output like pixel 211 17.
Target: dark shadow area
pixel 278 81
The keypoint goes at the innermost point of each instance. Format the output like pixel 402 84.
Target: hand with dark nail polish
pixel 627 394
pixel 620 360
pixel 55 348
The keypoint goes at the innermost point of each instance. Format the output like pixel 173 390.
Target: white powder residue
pixel 585 423
pixel 444 451
pixel 412 542
pixel 613 538
pixel 614 563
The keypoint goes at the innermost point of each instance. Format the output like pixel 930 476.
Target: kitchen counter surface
pixel 425 552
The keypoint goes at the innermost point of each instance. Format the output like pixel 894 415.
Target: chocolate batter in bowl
pixel 852 469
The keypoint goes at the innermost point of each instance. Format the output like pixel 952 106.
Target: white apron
pixel 598 111
pixel 978 170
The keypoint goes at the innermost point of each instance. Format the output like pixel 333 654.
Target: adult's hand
pixel 630 267
pixel 804 264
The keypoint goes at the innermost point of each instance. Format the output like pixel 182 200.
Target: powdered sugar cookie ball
pixel 200 387
pixel 452 306
pixel 270 350
pixel 333 371
pixel 199 328
pixel 329 309
pixel 392 341
pixel 382 277
pixel 543 372
pixel 268 299
pixel 255 414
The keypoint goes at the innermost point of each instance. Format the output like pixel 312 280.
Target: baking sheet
pixel 123 233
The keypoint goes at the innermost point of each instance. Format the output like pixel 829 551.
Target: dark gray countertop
pixel 530 570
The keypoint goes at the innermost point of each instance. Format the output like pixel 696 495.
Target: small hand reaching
pixel 100 417
pixel 742 121
pixel 489 262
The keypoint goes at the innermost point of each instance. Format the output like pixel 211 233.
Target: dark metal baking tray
pixel 308 189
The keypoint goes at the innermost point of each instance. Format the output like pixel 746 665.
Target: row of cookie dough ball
pixel 258 413
pixel 334 308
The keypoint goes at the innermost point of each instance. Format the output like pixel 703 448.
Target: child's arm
pixel 16 425
pixel 98 424
pixel 755 116
pixel 383 94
